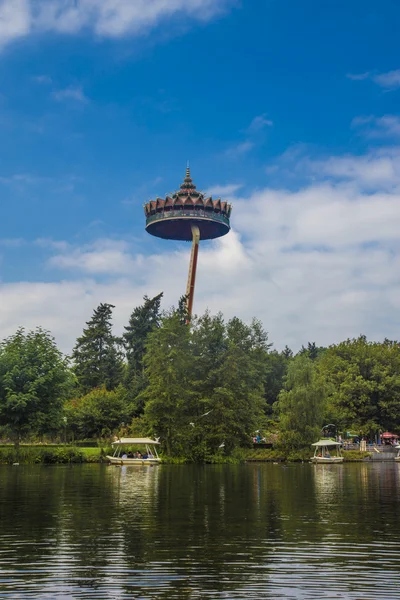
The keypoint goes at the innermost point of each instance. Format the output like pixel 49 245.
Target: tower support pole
pixel 192 270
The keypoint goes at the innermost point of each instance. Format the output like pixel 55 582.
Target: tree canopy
pixel 34 382
pixel 97 356
pixel 205 387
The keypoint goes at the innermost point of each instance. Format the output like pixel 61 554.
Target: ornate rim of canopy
pixel 189 203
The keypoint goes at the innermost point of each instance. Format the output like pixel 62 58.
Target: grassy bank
pixel 303 455
pixel 34 454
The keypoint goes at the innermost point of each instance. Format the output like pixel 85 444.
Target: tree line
pixel 204 389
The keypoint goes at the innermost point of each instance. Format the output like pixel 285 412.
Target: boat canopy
pixel 132 441
pixel 325 443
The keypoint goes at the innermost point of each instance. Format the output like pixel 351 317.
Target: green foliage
pixel 363 380
pixel 98 413
pixel 355 456
pixel 169 395
pixel 276 368
pixel 41 455
pixel 205 393
pixel 301 404
pixel 313 352
pixel 143 320
pixel 97 356
pixel 203 387
pixel 34 380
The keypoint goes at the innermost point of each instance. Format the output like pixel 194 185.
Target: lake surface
pixel 250 531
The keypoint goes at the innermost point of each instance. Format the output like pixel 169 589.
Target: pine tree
pixel 169 395
pixel 287 352
pixel 97 355
pixel 143 320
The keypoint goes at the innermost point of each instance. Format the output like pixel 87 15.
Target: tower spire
pixel 187 182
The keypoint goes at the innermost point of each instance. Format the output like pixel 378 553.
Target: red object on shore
pixel 388 435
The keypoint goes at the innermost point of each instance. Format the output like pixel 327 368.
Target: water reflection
pixel 253 531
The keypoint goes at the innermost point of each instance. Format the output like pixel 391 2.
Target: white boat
pixel 397 458
pixel 148 456
pixel 323 454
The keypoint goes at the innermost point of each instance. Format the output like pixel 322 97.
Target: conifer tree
pixel 97 355
pixel 143 320
pixel 169 395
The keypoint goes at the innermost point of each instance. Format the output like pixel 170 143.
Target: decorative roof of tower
pixel 172 217
pixel 187 186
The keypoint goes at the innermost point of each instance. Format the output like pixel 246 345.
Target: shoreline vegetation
pixel 52 454
pixel 206 387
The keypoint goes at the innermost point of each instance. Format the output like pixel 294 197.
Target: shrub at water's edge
pixel 301 455
pixel 73 455
pixel 51 455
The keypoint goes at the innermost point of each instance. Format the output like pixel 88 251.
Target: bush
pixel 355 455
pixel 49 455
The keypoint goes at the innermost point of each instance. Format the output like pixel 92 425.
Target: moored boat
pixel 121 456
pixel 323 452
pixel 397 458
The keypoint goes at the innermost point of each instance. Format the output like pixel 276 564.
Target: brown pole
pixel 192 270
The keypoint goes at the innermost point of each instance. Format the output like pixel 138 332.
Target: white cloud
pixel 106 18
pixel 102 257
pixel 239 149
pixel 358 76
pixel 20 179
pixel 321 263
pixel 15 20
pixel 42 79
pixel 389 80
pixel 378 169
pixel 224 190
pixel 259 123
pixel 387 126
pixel 71 93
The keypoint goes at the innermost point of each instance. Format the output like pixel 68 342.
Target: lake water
pixel 250 531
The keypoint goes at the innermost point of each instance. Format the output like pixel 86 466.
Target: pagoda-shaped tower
pixel 188 215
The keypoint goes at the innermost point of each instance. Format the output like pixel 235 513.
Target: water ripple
pixel 252 532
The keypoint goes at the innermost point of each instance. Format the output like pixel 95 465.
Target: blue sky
pixel 288 109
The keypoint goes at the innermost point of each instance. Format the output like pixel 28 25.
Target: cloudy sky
pixel 288 109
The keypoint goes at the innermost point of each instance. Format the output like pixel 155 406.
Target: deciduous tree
pixel 301 404
pixel 34 381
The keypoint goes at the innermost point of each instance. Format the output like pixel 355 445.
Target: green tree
pixel 98 413
pixel 240 398
pixel 206 384
pixel 34 381
pixel 230 362
pixel 301 405
pixel 143 320
pixel 287 352
pixel 276 368
pixel 97 356
pixel 312 351
pixel 168 396
pixel 363 379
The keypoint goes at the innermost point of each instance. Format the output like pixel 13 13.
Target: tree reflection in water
pixel 246 531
